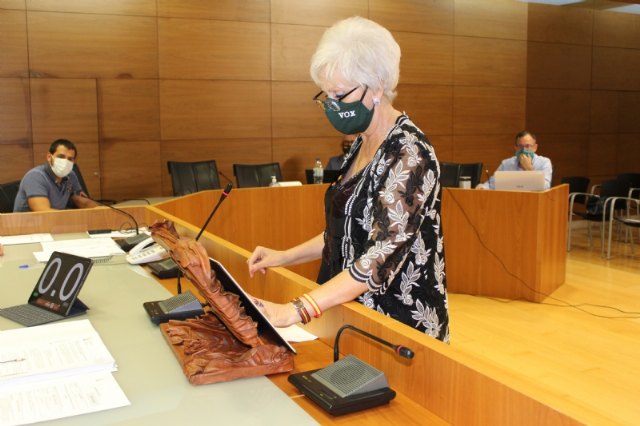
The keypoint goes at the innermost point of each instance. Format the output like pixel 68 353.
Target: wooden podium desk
pixel 505 244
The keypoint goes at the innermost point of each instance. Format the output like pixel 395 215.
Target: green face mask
pixel 350 117
pixel 524 152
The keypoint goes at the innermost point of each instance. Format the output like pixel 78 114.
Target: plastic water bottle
pixel 318 171
pixel 274 181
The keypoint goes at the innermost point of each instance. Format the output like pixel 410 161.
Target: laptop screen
pixel 60 282
pixel 521 180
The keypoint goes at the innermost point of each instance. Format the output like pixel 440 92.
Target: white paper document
pixel 25 239
pixel 53 371
pixel 93 248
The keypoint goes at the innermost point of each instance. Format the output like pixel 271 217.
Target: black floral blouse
pixel 383 225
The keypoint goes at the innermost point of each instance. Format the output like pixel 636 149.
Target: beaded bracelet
pixel 314 305
pixel 301 310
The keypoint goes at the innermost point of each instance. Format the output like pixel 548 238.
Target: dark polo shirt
pixel 41 182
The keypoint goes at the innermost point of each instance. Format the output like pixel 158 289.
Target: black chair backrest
pixel 194 176
pixel 577 184
pixel 614 188
pixel 449 174
pixel 76 170
pixel 473 170
pixel 8 193
pixel 252 175
pixel 632 178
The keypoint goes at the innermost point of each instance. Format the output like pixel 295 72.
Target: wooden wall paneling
pixel 206 49
pixel 316 12
pixel 295 155
pixel 433 17
pixel 295 114
pixel 488 110
pixel 224 151
pixel 567 152
pixel 443 145
pixel 629 113
pixel 111 7
pixel 15 125
pixel 13 44
pixel 605 111
pixel 616 68
pixel 129 110
pixel 226 10
pixel 628 153
pixel 558 111
pixel 616 30
pixel 17 160
pixel 64 108
pixel 130 169
pixel 495 19
pixel 72 45
pixel 560 66
pixel 429 106
pixel 426 58
pixel 488 149
pixel 603 155
pixel 12 4
pixel 291 49
pixel 191 109
pixel 490 62
pixel 551 24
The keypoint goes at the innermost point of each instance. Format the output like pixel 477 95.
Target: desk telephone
pixel 145 252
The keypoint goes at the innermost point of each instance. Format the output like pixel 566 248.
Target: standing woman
pixel 382 245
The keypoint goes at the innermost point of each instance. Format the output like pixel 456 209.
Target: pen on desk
pixel 12 360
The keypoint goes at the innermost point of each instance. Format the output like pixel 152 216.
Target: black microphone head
pixel 405 352
pixel 228 189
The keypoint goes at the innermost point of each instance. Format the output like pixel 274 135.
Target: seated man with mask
pixel 49 186
pixel 525 158
pixel 335 163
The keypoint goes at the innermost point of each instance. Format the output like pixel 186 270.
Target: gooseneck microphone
pixel 225 177
pixel 135 222
pixel 223 196
pixel 403 351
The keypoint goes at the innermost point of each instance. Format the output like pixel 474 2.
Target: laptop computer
pixel 55 296
pixel 521 180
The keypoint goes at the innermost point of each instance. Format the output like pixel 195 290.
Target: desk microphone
pixel 135 222
pixel 223 196
pixel 348 384
pixel 225 177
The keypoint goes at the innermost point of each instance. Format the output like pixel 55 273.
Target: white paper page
pixel 295 333
pixel 51 351
pixel 25 239
pixel 85 247
pixel 55 399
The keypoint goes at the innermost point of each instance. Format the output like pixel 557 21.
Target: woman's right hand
pixel 263 258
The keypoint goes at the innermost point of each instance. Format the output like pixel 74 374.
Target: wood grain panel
pixel 64 108
pixel 430 107
pixel 12 4
pixel 478 110
pixel 73 45
pixel 297 154
pixel 558 66
pixel 226 152
pixel 613 29
pixel 13 44
pixel 604 111
pixel 426 59
pixel 488 149
pixel 224 109
pixel 629 114
pixel 295 114
pixel 111 7
pixel 628 153
pixel 568 153
pixel 205 49
pixel 291 49
pixel 572 25
pixel 616 68
pixel 15 126
pixel 225 10
pixel 131 169
pixel 494 19
pixel 434 17
pixel 490 62
pixel 558 111
pixel 603 155
pixel 129 109
pixel 443 145
pixel 315 12
pixel 17 160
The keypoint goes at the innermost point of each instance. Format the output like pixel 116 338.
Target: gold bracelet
pixel 314 305
pixel 301 310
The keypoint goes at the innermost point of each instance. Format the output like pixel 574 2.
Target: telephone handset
pixel 145 252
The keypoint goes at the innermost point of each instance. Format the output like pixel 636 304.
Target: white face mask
pixel 61 167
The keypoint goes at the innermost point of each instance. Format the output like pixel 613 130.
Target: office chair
pixel 473 170
pixel 626 218
pixel 252 175
pixel 83 185
pixel 190 177
pixel 8 193
pixel 577 184
pixel 449 174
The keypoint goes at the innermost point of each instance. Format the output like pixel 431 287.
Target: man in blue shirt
pixel 525 158
pixel 335 163
pixel 49 186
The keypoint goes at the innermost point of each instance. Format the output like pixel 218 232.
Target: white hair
pixel 358 51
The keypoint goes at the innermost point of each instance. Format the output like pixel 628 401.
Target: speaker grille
pixel 350 376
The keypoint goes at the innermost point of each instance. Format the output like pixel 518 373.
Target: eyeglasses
pixel 527 146
pixel 332 104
